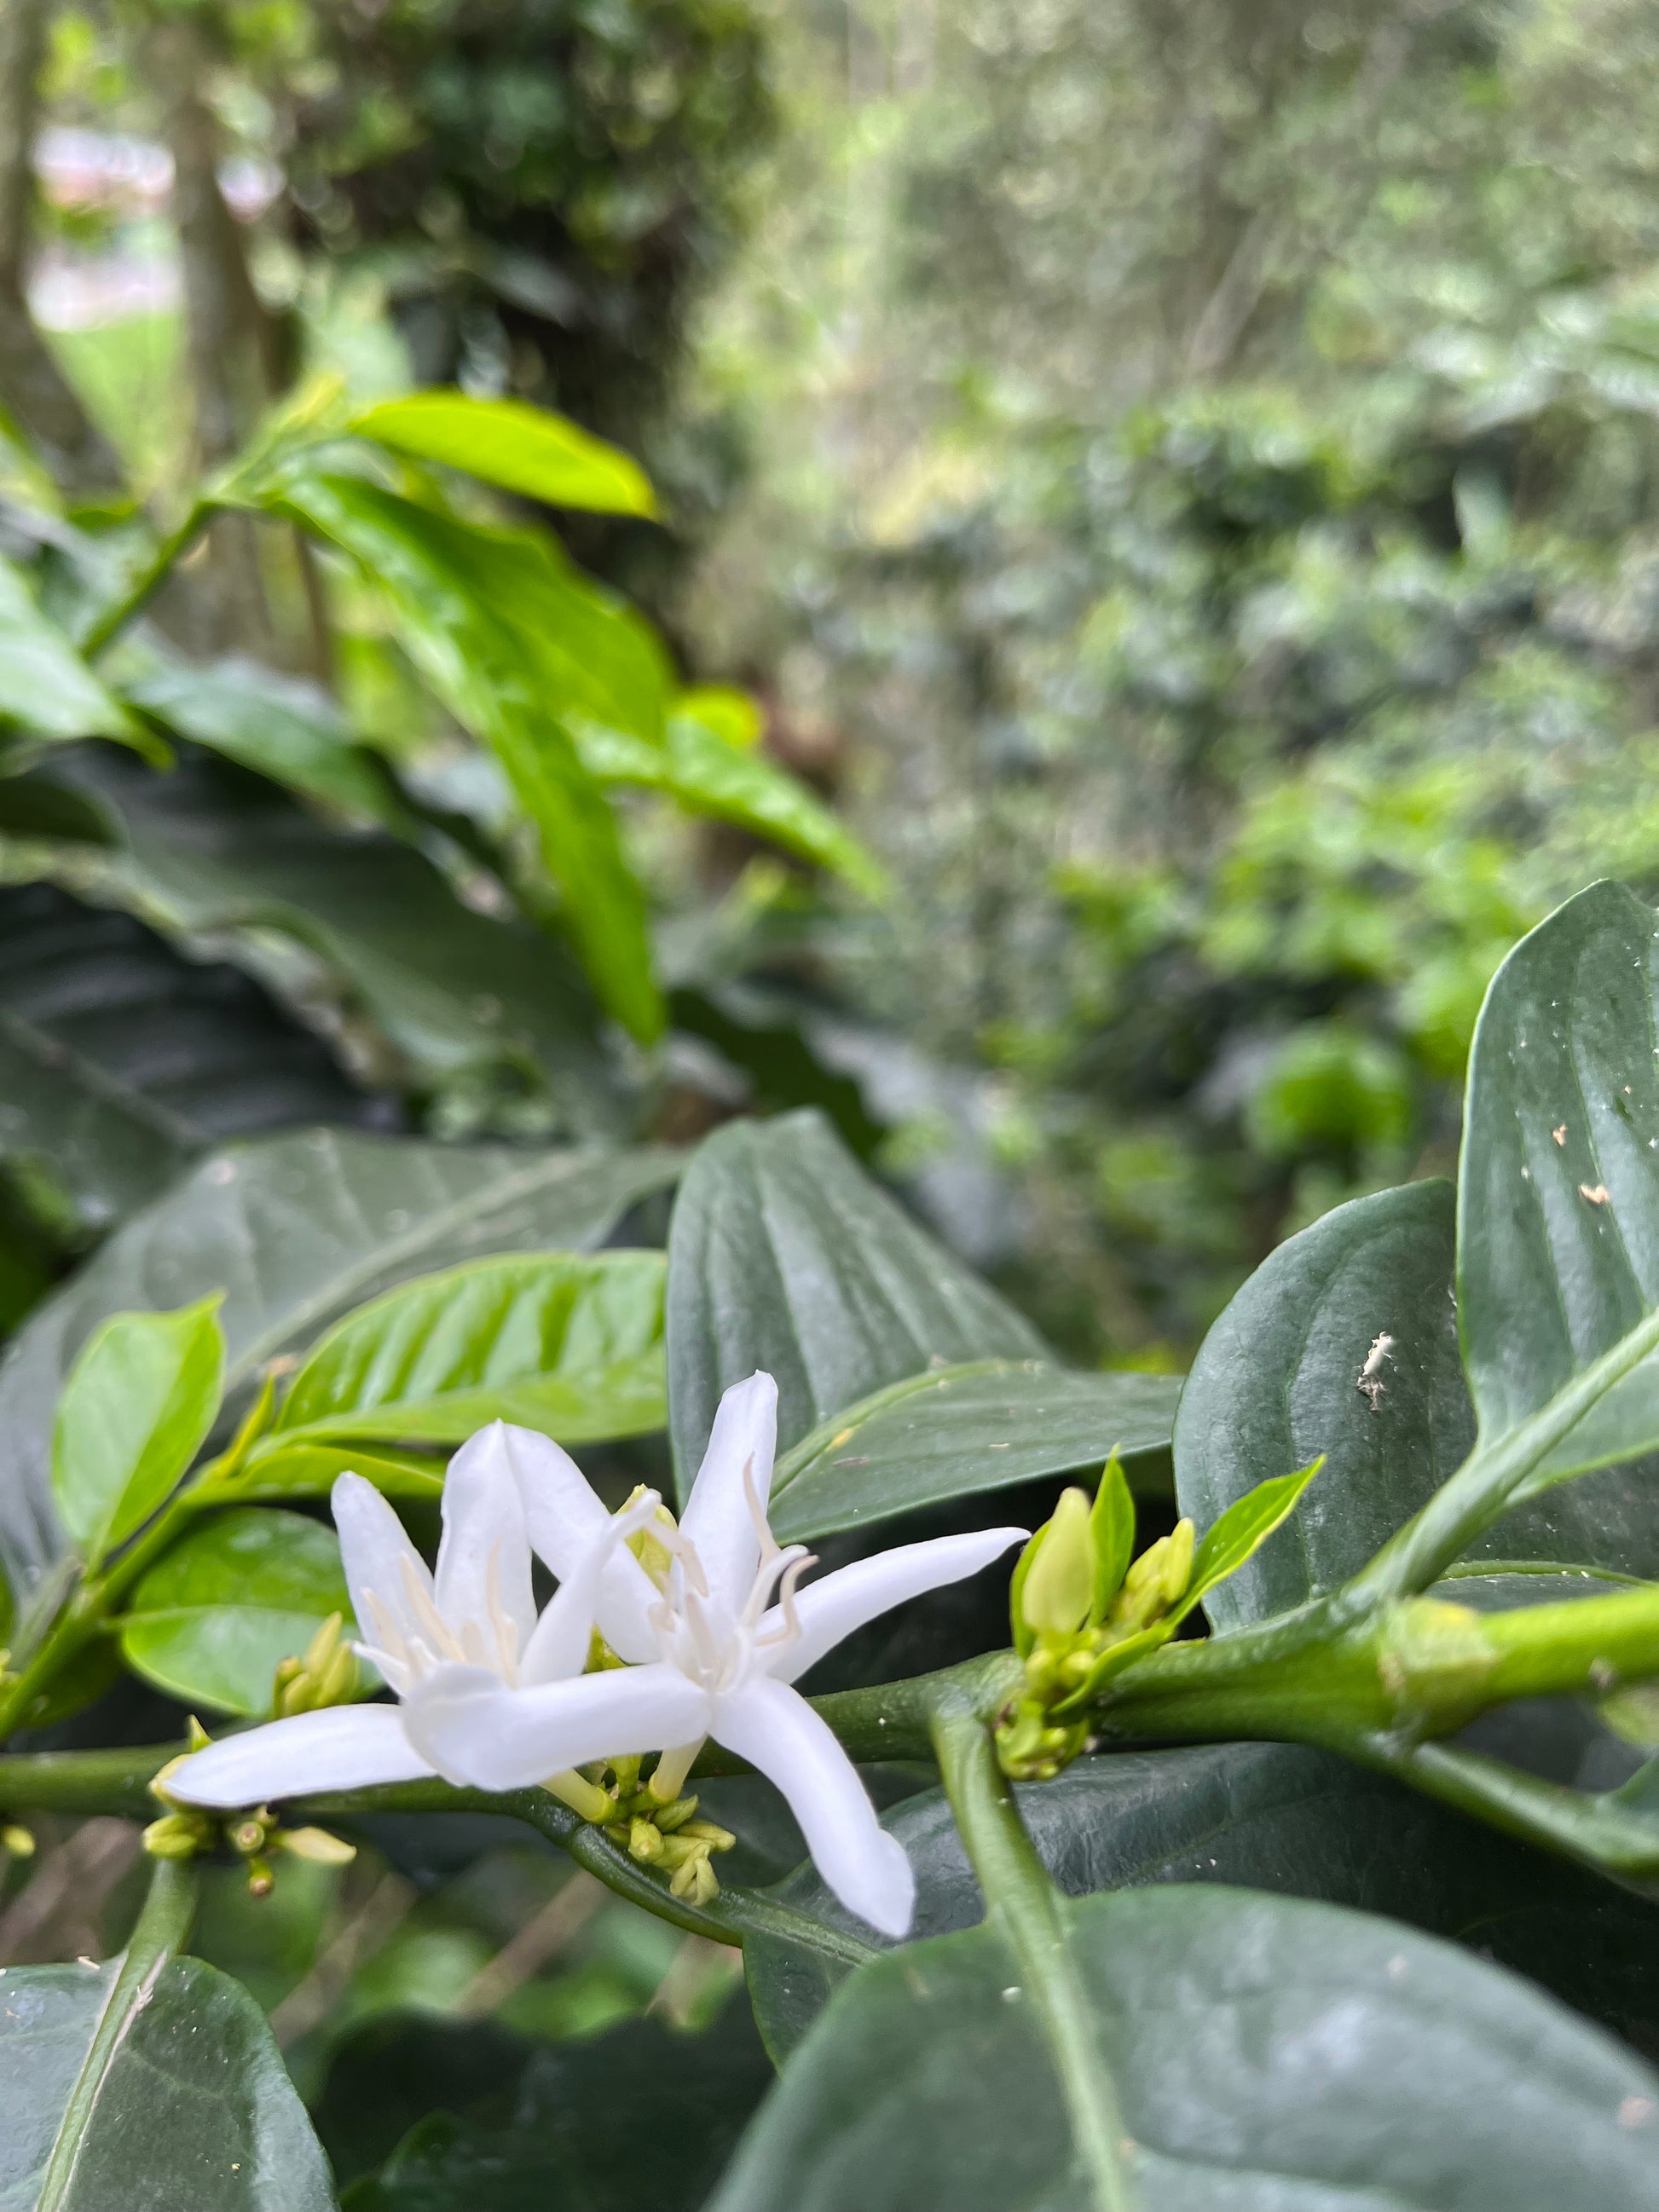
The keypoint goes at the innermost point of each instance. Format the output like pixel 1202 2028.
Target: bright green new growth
pixel 134 1413
pixel 1082 1612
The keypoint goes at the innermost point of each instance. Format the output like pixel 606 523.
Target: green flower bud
pixel 1060 1583
pixel 316 1846
pixel 696 1881
pixel 326 1674
pixel 16 1841
pixel 705 1831
pixel 675 1815
pixel 177 1836
pixel 1156 1581
pixel 644 1841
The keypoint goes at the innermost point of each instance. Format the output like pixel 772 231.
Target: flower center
pixel 407 1651
pixel 715 1646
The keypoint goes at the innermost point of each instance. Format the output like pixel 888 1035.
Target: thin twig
pixel 367 1931
pixel 78 1875
pixel 695 1964
pixel 543 1936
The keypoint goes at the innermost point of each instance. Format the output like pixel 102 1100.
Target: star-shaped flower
pixel 710 1624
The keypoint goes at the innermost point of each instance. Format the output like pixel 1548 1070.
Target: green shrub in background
pixel 1219 478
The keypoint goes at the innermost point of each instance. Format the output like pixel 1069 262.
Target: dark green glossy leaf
pixel 588 2118
pixel 522 448
pixel 195 2108
pixel 136 1406
pixel 1279 1818
pixel 461 998
pixel 296 1229
pixel 286 729
pixel 34 809
pixel 243 1590
pixel 954 1431
pixel 1558 1190
pixel 1277 1382
pixel 563 1342
pixel 516 643
pixel 46 688
pixel 120 1059
pixel 783 1254
pixel 1266 2051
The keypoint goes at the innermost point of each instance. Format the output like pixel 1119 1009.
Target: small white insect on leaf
pixel 1369 1381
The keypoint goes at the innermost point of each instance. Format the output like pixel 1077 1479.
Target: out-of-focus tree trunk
pixel 80 458
pixel 231 342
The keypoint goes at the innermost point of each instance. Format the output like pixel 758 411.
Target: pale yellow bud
pixel 1178 1563
pixel 316 1846
pixel 1060 1586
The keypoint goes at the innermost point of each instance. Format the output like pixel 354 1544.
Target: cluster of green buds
pixel 185 1832
pixel 326 1673
pixel 662 1830
pixel 1082 1612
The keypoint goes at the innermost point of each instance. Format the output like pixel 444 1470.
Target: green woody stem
pixel 1024 1907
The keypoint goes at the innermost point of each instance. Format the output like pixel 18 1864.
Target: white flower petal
pixel 483 1579
pixel 379 1557
pixel 558 1646
pixel 774 1729
pixel 834 1605
pixel 564 1515
pixel 342 1747
pixel 720 1520
pixel 477 1732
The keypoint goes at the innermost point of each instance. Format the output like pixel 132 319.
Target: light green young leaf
pixel 517 644
pixel 507 442
pixel 569 1343
pixel 299 1229
pixel 46 688
pixel 704 770
pixel 135 1411
pixel 708 775
pixel 1245 1525
pixel 494 613
pixel 734 716
pixel 213 1618
pixel 284 1469
pixel 1112 1526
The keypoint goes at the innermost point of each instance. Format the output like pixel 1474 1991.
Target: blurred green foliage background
pixel 1180 478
